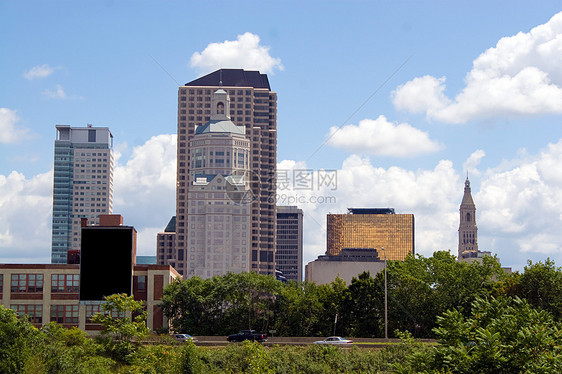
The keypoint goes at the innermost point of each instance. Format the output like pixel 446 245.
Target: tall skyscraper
pixel 253 106
pixel 468 232
pixel 288 258
pixel 83 184
pixel 219 196
pixel 388 234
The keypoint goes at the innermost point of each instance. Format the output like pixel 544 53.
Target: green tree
pixel 299 308
pixel 364 303
pixel 221 304
pixel 123 320
pixel 502 335
pixel 419 289
pixel 68 351
pixel 541 285
pixel 249 300
pixel 333 297
pixel 19 341
pixel 308 309
pixel 191 306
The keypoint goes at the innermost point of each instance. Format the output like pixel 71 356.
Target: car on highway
pixel 247 335
pixel 185 338
pixel 334 340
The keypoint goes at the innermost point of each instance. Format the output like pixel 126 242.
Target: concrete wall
pixel 323 272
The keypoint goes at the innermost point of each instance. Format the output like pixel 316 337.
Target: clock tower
pixel 468 232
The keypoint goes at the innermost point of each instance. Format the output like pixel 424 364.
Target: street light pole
pixel 385 297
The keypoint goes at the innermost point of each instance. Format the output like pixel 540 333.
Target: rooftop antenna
pixel 220 79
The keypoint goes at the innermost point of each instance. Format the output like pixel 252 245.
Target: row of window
pixel 69 283
pixel 65 314
pixel 34 283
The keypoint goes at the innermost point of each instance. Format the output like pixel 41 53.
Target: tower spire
pixel 468 231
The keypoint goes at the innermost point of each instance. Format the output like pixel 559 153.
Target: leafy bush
pixel 119 332
pixel 19 342
pixel 502 335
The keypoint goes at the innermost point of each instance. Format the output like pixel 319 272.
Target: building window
pixel 33 312
pixel 66 314
pixel 27 283
pixel 92 310
pixel 141 283
pixel 1 282
pixel 65 282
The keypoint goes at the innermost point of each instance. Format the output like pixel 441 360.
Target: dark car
pixel 247 335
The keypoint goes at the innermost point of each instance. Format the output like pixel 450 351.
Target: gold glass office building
pixel 372 229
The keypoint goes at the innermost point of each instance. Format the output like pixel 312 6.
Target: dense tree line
pixel 484 320
pixel 419 290
pixel 504 335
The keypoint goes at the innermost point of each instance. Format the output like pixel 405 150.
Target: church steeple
pixel 468 231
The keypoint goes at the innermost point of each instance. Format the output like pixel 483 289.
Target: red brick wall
pixel 111 220
pixel 158 286
pixel 157 317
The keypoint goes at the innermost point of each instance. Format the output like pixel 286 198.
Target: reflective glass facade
pixel 393 232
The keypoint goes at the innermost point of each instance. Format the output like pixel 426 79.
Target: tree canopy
pixel 419 289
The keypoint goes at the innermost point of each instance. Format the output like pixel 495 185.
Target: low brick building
pixel 48 293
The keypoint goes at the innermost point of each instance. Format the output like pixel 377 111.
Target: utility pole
pixel 385 300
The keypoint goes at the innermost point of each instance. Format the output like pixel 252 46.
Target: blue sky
pixel 401 98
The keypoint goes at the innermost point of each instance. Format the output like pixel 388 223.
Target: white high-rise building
pixel 83 184
pixel 219 197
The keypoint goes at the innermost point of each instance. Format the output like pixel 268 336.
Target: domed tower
pixel 468 232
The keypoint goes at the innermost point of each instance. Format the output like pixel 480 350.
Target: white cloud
pixel 519 204
pixel 144 193
pixel 25 217
pixel 39 71
pixel 146 239
pixel 421 94
pixel 471 164
pixel 381 137
pixel 524 203
pixel 431 195
pixel 57 93
pixel 244 52
pixel 519 76
pixel 9 132
pixel 145 189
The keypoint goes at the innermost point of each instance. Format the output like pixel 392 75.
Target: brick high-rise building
pixel 254 106
pixel 83 184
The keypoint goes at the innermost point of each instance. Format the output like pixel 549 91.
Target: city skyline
pixel 391 99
